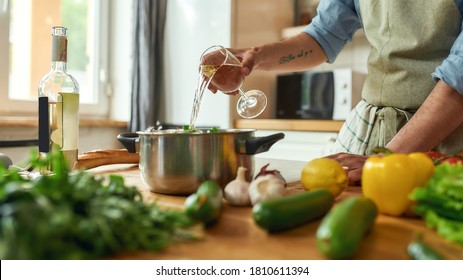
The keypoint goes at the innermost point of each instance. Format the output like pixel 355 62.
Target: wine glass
pixel 224 70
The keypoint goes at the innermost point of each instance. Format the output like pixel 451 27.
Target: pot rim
pixel 199 132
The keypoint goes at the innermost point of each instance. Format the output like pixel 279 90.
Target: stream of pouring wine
pixel 203 83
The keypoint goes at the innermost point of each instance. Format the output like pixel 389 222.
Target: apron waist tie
pixel 387 120
pixel 369 126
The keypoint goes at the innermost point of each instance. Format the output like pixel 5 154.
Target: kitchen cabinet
pixel 299 145
pixel 292 125
pixel 304 139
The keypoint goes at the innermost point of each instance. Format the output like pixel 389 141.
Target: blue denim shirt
pixel 334 29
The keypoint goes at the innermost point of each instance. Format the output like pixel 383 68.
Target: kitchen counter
pixel 295 125
pixel 236 236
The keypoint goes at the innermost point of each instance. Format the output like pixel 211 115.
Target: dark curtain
pixel 150 18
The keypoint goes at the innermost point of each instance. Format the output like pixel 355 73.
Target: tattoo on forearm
pixel 290 57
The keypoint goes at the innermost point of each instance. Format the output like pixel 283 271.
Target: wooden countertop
pixel 295 125
pixel 236 236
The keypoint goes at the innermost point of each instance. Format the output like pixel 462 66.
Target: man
pixel 412 98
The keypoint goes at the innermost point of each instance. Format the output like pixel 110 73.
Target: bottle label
pixel 44 125
pixel 70 120
pixel 59 125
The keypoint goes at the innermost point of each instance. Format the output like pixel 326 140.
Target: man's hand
pixel 218 58
pixel 354 163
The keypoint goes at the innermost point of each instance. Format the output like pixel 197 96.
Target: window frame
pixel 100 110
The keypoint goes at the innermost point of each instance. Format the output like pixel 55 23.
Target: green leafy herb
pixel 187 128
pixel 213 129
pixel 440 202
pixel 79 215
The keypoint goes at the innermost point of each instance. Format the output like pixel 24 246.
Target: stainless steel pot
pixel 173 162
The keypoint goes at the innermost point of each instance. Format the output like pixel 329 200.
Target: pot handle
pixel 129 140
pixel 262 144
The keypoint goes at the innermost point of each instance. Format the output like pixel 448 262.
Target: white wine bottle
pixel 58 94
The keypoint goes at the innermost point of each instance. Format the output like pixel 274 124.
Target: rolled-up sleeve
pixel 334 25
pixel 451 69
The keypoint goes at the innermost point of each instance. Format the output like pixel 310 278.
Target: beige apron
pixel 409 39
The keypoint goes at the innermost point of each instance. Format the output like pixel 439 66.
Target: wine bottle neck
pixel 58 66
pixel 59 49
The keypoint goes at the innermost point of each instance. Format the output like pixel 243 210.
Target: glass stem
pixel 243 94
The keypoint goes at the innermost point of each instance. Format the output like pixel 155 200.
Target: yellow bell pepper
pixel 389 180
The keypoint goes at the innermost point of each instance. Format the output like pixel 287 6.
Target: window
pixel 25 51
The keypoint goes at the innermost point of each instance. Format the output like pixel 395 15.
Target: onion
pixel 264 188
pixel 263 171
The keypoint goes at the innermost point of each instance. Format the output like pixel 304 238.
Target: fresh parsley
pixel 79 215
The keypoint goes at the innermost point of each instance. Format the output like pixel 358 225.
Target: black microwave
pixel 325 95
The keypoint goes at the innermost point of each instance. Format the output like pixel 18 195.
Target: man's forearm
pixel 440 115
pixel 298 53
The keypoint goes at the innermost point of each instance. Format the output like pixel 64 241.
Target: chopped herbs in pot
pixel 213 129
pixel 188 129
pixel 79 216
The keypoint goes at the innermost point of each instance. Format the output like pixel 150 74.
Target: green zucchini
pixel 212 190
pixel 418 250
pixel 341 231
pixel 205 205
pixel 290 211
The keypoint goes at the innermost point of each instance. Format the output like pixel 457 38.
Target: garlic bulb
pixel 236 192
pixel 266 187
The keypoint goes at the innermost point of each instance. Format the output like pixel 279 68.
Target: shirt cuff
pixel 330 44
pixel 450 71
